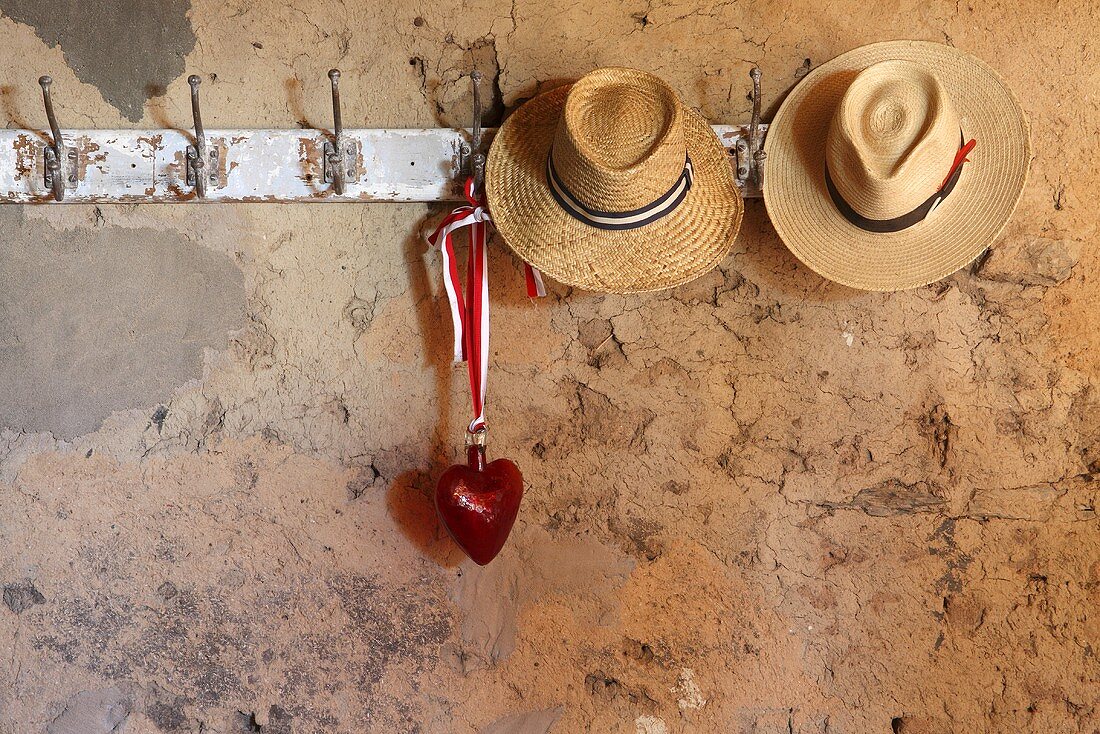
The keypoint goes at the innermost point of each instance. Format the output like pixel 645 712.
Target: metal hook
pixel 756 138
pixel 334 173
pixel 60 162
pixel 478 161
pixel 333 154
pixel 750 150
pixel 339 157
pixel 197 157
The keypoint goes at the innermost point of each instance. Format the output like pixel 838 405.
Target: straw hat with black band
pixel 613 185
pixel 895 164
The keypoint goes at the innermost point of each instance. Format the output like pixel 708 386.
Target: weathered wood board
pixel 148 166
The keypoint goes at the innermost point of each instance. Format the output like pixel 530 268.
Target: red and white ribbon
pixel 535 287
pixel 470 311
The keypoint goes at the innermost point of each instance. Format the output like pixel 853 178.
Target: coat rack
pixel 360 165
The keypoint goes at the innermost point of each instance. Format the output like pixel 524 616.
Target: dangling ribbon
pixel 535 287
pixel 470 312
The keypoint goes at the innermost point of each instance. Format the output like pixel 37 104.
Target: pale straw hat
pixel 871 179
pixel 636 195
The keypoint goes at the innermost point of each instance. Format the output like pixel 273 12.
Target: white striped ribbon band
pixel 619 220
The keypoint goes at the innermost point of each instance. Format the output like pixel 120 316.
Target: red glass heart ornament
pixel 478 503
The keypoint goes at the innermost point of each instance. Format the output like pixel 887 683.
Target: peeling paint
pixel 253 166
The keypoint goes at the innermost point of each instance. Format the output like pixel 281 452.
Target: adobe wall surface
pixel 758 503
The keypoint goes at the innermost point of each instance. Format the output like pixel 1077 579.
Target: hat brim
pixel 953 235
pixel 677 248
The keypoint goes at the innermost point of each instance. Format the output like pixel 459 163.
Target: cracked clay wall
pixel 760 503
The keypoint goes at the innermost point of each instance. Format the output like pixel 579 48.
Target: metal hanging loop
pixel 202 166
pixel 60 162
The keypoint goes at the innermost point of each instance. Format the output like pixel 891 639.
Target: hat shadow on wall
pixel 532 91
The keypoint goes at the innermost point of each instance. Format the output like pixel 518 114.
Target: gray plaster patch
pixel 129 49
pixel 96 321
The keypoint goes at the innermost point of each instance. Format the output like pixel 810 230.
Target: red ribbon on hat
pixel 960 158
pixel 470 313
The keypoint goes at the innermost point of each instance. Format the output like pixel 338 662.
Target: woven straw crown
pixel 590 183
pixel 620 142
pixel 893 139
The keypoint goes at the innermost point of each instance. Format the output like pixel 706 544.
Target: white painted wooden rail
pixel 147 166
